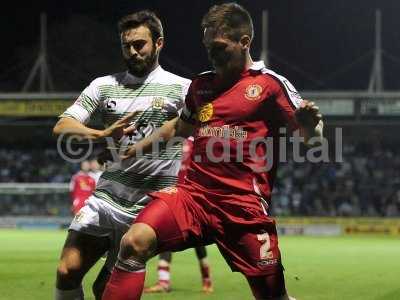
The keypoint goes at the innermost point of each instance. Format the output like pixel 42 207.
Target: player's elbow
pixel 61 126
pixel 57 129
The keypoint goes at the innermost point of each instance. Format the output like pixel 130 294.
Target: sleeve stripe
pixel 286 88
pixel 88 103
pixel 68 115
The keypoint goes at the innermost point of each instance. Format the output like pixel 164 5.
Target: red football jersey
pixel 82 186
pixel 236 143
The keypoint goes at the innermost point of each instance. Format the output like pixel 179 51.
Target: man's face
pixel 223 52
pixel 139 51
pixel 94 165
pixel 85 166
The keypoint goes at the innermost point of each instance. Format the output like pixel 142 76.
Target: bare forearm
pixel 72 126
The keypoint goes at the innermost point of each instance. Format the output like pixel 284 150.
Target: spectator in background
pixel 82 186
pixel 95 169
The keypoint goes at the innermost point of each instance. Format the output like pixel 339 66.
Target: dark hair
pixel 144 17
pixel 229 18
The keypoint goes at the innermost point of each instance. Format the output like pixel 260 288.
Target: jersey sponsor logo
pixel 253 92
pixel 205 112
pixel 223 132
pixel 83 185
pixel 111 105
pixel 158 103
pixel 267 262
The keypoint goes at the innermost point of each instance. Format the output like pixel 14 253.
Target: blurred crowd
pixel 34 165
pixel 366 183
pixel 41 166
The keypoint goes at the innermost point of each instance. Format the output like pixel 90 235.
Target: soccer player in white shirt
pixel 144 97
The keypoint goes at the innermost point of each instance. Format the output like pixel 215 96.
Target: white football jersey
pixel 157 98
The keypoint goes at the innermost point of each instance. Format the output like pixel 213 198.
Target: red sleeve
pixel 287 100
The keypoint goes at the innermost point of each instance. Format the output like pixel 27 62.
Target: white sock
pixel 76 294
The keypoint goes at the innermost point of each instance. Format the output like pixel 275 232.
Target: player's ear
pixel 245 42
pixel 159 44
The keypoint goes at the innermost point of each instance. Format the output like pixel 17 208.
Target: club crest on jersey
pixel 158 103
pixel 205 112
pixel 253 92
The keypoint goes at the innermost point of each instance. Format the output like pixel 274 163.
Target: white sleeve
pixel 85 105
pixel 185 90
pixel 188 112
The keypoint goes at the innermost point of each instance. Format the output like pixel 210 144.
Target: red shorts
pixel 183 217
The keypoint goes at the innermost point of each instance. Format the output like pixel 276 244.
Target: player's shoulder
pixel 171 78
pixel 272 77
pixel 111 79
pixel 276 79
pixel 77 175
pixel 259 69
pixel 277 82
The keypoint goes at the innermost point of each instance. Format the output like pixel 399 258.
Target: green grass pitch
pixel 320 268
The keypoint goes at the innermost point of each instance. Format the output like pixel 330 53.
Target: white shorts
pixel 98 218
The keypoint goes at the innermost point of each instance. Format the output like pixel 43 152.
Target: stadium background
pixel 338 220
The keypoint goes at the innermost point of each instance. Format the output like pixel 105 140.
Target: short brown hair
pixel 144 17
pixel 229 18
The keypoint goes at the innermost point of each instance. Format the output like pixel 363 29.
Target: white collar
pixel 258 65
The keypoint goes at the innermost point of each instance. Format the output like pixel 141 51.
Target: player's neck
pixel 248 62
pixel 155 66
pixel 151 69
pixel 229 76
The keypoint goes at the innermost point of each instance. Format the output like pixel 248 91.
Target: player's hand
pixel 120 127
pixel 308 115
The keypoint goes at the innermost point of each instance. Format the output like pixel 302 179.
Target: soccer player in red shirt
pixel 81 187
pixel 233 114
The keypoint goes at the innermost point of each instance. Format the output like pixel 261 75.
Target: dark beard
pixel 141 68
pixel 232 66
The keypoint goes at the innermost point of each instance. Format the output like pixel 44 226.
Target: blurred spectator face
pixel 85 166
pixel 94 165
pixel 139 51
